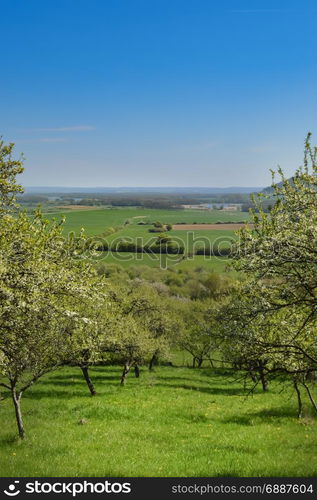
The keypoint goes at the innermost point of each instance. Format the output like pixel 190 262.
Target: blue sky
pixel 158 92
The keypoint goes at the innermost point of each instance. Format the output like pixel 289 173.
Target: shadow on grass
pixel 238 449
pixel 225 391
pixel 39 394
pixel 75 386
pixel 9 440
pixel 63 381
pixel 270 415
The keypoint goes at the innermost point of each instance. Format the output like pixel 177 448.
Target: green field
pixel 97 221
pixel 175 421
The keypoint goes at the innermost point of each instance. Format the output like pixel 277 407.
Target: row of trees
pixel 162 244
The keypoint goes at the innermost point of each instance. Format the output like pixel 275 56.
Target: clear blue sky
pixel 158 92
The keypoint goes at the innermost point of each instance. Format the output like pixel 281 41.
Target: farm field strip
pixel 194 227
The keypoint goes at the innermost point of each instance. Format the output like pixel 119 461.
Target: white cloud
pixel 74 128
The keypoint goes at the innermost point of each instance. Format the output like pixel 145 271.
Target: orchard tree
pixel 200 334
pixel 278 257
pixel 279 252
pixel 130 342
pixel 241 338
pixel 155 313
pixel 42 278
pixel 141 327
pixel 85 331
pixel 44 281
pixel 262 344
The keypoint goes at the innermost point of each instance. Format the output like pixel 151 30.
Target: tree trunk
pixel 200 362
pixel 137 371
pixel 299 399
pixel 84 369
pixel 263 378
pixel 313 402
pixel 194 362
pixel 153 361
pixel 125 372
pixel 17 406
pixel 253 375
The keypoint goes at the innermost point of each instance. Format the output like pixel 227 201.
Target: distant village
pixel 225 207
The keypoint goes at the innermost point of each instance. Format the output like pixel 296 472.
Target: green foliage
pixel 9 169
pixel 158 224
pixel 200 337
pixel 143 324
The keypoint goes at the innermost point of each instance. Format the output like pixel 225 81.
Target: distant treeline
pixel 142 200
pixel 170 248
pixel 215 251
pixel 127 246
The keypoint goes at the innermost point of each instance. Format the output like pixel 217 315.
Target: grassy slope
pixel 173 422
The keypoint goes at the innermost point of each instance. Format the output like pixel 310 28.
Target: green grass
pixel 173 422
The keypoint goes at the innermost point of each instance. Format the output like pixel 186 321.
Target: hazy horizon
pixel 211 190
pixel 140 187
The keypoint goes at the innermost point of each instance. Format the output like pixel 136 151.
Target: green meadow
pixel 175 421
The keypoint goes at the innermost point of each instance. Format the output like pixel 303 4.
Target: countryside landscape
pixel 168 350
pixel 158 262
